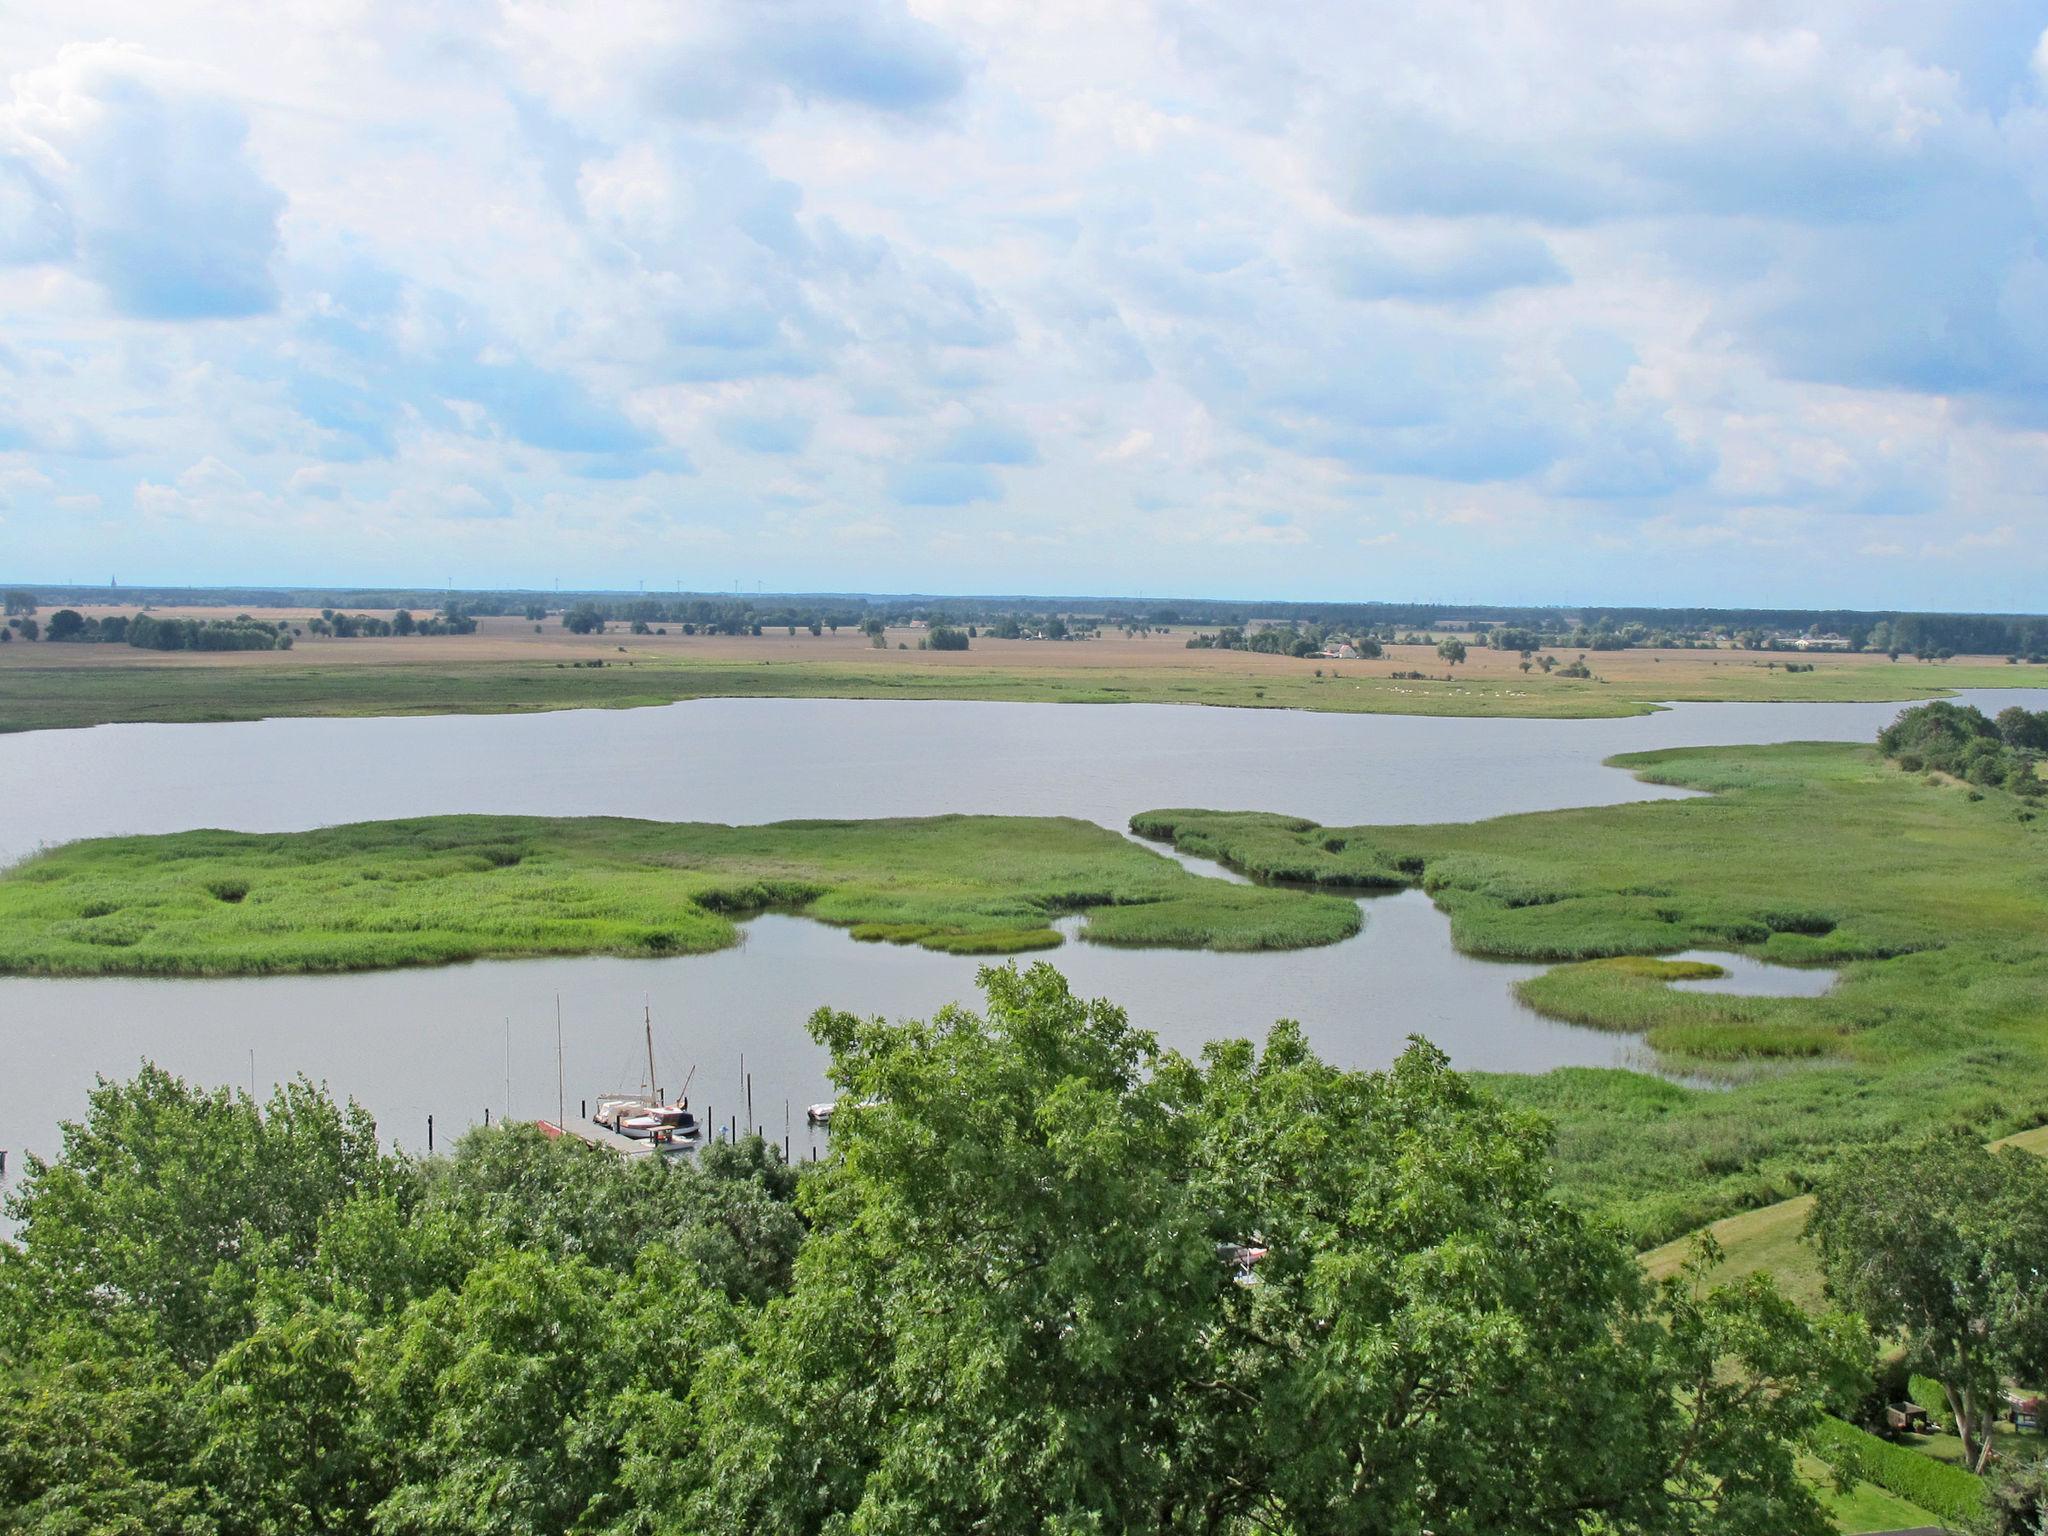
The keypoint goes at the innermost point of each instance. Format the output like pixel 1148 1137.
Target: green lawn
pixel 1864 1507
pixel 1932 903
pixel 1770 1239
pixel 442 889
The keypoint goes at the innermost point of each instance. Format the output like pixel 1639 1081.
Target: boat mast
pixel 647 1014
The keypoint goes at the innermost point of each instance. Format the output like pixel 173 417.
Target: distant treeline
pixel 1592 628
pixel 149 633
pixel 152 632
pixel 454 619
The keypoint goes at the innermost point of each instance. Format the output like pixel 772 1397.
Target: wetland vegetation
pixel 1926 893
pixel 435 890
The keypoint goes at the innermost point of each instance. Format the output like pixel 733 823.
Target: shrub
pixel 1928 1393
pixel 1958 740
pixel 1950 1493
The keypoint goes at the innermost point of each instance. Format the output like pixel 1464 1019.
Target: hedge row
pixel 1948 1493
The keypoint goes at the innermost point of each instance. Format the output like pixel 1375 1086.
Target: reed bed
pixel 1932 903
pixel 435 890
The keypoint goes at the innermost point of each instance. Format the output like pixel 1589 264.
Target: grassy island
pixel 435 890
pixel 1929 896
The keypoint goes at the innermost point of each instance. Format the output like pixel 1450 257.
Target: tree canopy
pixel 1944 1243
pixel 1959 739
pixel 1050 1279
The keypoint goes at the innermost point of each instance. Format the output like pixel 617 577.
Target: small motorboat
pixel 821 1114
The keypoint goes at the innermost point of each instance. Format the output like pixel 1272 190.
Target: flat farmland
pixel 510 666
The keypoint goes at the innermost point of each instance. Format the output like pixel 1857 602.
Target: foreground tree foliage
pixel 1017 1297
pixel 1944 1243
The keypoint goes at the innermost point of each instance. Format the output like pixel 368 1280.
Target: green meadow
pixel 1932 899
pixel 436 890
pixel 39 694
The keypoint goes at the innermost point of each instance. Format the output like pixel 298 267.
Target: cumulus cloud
pixel 1341 296
pixel 1440 268
pixel 134 172
pixel 744 56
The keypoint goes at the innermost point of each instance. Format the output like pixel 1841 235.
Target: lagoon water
pixel 413 1043
pixel 752 760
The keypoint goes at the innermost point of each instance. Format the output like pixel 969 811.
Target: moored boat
pixel 645 1116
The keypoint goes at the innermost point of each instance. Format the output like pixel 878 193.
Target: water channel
pixel 455 1041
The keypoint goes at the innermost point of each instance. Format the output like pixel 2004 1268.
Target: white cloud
pixel 874 292
pixel 134 170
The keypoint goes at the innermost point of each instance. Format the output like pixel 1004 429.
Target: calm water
pixel 1749 977
pixel 748 760
pixel 412 1043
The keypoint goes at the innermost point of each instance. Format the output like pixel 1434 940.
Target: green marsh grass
pixel 1933 906
pixel 436 890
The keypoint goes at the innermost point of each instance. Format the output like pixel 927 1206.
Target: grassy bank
pixel 47 687
pixel 1770 1240
pixel 1932 903
pixel 442 889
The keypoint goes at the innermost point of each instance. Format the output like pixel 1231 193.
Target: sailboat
pixel 644 1116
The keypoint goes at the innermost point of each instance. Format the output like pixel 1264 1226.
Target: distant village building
pixel 1820 643
pixel 1339 652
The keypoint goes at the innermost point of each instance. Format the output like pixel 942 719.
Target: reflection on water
pixel 408 1044
pixel 1748 977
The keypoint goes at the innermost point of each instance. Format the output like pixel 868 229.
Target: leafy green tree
pixel 402 622
pixel 94 1437
pixel 583 619
pixel 2016 1498
pixel 2023 728
pixel 282 1415
pixel 487 1401
pixel 1451 649
pixel 169 1201
pixel 67 624
pixel 1028 1304
pixel 1943 1243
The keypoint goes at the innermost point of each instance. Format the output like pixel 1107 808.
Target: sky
pixel 1651 301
